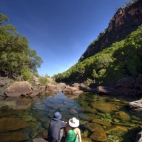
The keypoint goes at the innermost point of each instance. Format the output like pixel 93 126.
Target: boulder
pixel 51 88
pixel 61 87
pixel 117 91
pixel 70 89
pixel 127 82
pixel 77 92
pixel 106 90
pixel 19 88
pixel 2 83
pixel 138 84
pixel 84 86
pixel 136 106
pixel 93 85
pixel 75 85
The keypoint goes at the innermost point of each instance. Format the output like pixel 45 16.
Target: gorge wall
pixel 124 21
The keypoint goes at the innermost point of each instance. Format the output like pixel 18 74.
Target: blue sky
pixel 59 30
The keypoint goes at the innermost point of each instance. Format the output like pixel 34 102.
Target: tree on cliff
pixel 15 53
pixel 121 59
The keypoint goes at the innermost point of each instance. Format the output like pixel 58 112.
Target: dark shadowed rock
pixel 106 90
pixel 117 91
pixel 127 82
pixel 93 85
pixel 138 85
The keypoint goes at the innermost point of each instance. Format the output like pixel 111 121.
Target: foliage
pixel 26 74
pixel 43 80
pixel 121 59
pixel 88 81
pixel 15 53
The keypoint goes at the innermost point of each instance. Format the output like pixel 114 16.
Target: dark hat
pixel 57 116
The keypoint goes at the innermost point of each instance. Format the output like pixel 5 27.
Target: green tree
pixel 15 53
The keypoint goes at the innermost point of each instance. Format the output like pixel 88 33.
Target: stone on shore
pixel 19 88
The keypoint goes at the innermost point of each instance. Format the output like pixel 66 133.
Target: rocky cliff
pixel 124 21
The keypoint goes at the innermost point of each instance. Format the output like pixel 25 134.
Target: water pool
pixel 102 118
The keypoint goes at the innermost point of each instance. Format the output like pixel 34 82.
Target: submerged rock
pixel 104 123
pixel 87 110
pixel 92 126
pixel 13 137
pixel 87 116
pixel 99 135
pixel 11 124
pixel 39 140
pixel 84 139
pixel 117 130
pixel 104 107
pixel 123 116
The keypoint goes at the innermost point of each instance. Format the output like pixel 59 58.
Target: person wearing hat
pixel 55 131
pixel 73 133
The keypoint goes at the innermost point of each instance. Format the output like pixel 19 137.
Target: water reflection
pixel 102 118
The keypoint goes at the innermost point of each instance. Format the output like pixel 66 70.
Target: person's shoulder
pixel 77 130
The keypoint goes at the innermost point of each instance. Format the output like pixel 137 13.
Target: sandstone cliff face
pixel 123 23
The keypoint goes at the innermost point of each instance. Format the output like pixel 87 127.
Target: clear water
pixel 37 112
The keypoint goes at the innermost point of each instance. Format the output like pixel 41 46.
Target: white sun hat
pixel 73 122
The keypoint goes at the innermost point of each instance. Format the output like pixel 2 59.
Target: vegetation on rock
pixel 121 59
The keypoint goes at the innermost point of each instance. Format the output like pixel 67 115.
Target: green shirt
pixel 71 136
